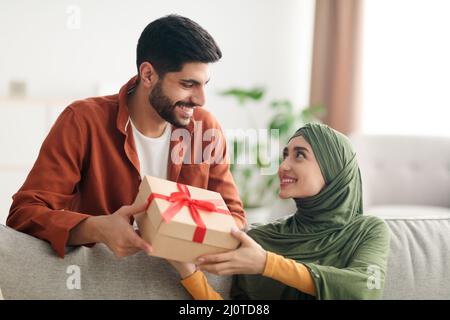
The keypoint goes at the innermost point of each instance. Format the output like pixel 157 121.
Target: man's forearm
pixel 84 232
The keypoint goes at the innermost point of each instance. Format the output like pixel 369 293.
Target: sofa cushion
pixel 29 269
pixel 419 260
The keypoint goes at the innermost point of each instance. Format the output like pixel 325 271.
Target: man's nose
pixel 199 97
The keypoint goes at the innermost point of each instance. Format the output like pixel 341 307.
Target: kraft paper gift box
pixel 183 222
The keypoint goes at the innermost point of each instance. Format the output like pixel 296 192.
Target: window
pixel 406 67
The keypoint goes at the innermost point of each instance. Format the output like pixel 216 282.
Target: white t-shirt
pixel 153 153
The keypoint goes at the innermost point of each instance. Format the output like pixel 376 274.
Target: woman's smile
pixel 286 181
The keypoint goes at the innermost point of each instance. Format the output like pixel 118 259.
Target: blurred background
pixel 373 67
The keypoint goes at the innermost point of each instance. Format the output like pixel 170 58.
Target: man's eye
pixel 187 85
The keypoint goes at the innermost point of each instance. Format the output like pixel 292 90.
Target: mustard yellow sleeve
pixel 289 272
pixel 198 287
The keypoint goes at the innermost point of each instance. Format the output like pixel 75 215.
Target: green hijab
pixel 345 252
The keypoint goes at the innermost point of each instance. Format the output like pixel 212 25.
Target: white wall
pixel 264 42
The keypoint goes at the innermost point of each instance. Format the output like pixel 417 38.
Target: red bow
pixel 183 198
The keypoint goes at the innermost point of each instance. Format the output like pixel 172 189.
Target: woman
pixel 326 250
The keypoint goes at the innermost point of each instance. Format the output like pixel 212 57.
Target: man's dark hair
pixel 171 41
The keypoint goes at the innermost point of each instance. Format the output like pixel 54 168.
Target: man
pixel 92 161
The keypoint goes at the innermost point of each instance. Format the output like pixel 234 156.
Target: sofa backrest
pixel 404 169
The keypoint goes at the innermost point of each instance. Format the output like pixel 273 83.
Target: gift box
pixel 183 222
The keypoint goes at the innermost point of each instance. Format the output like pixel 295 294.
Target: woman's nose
pixel 284 166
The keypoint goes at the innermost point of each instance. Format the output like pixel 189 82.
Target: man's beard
pixel 166 108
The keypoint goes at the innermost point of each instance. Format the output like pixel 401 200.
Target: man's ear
pixel 147 74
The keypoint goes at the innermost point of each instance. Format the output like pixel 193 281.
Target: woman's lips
pixel 287 181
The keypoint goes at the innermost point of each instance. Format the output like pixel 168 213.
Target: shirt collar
pixel 123 114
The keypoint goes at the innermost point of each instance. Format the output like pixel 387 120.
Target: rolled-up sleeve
pixel 39 207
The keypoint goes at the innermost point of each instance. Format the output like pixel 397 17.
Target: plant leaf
pixel 243 95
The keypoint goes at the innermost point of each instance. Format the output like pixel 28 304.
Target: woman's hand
pixel 249 258
pixel 185 269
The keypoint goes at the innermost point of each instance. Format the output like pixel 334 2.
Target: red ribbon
pixel 183 198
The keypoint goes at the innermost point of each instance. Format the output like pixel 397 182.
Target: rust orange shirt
pixel 88 165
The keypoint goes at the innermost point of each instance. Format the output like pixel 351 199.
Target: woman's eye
pixel 285 155
pixel 300 155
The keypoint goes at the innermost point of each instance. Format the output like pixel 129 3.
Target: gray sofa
pixel 406 181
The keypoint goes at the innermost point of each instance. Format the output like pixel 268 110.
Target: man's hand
pixel 249 258
pixel 114 230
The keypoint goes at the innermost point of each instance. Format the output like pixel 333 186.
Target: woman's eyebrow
pixel 300 149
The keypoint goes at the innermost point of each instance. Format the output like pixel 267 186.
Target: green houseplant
pixel 257 189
